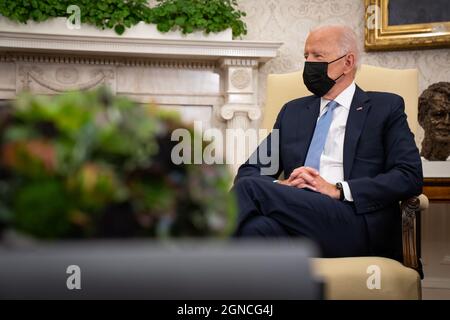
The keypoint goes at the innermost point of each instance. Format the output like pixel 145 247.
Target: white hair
pixel 347 40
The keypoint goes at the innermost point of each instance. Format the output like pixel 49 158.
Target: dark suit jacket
pixel 381 161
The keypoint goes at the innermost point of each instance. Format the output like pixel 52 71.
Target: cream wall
pixel 289 21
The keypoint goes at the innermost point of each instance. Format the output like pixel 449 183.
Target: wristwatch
pixel 341 191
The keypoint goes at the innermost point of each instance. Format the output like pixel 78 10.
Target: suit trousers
pixel 268 209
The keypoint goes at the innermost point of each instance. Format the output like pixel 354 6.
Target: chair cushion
pixel 347 278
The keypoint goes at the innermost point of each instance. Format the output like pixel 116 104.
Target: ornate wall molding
pixel 238 63
pixel 107 61
pixel 241 78
pixel 228 112
pixel 57 78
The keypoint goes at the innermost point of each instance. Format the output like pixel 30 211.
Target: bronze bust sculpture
pixel 434 117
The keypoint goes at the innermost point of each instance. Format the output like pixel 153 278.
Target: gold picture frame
pixel 379 35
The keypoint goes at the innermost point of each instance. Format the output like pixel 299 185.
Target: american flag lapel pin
pixel 359 108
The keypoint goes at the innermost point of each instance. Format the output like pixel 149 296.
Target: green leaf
pixel 189 29
pixel 180 21
pixel 163 27
pixel 127 23
pixel 120 29
pixel 102 6
pixel 171 8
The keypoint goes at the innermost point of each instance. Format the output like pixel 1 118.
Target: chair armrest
pixel 411 210
pixel 424 202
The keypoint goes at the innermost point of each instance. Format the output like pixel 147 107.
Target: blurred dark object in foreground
pixel 185 270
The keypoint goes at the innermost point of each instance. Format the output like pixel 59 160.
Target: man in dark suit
pixel 348 159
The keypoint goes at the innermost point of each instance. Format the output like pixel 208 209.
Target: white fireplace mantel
pixel 212 81
pixel 135 47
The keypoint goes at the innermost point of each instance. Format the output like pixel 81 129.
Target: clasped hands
pixel 306 177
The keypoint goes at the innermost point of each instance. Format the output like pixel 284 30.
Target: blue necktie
pixel 320 137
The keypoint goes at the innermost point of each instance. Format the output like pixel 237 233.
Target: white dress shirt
pixel 332 158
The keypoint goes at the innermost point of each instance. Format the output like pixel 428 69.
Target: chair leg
pixel 411 234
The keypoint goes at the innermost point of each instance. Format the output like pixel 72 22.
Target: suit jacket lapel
pixel 308 120
pixel 357 116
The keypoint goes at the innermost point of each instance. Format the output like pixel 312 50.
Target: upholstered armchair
pixel 347 278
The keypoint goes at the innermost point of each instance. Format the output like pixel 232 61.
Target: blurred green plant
pixel 187 15
pixel 91 164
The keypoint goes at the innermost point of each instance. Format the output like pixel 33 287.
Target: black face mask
pixel 316 79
